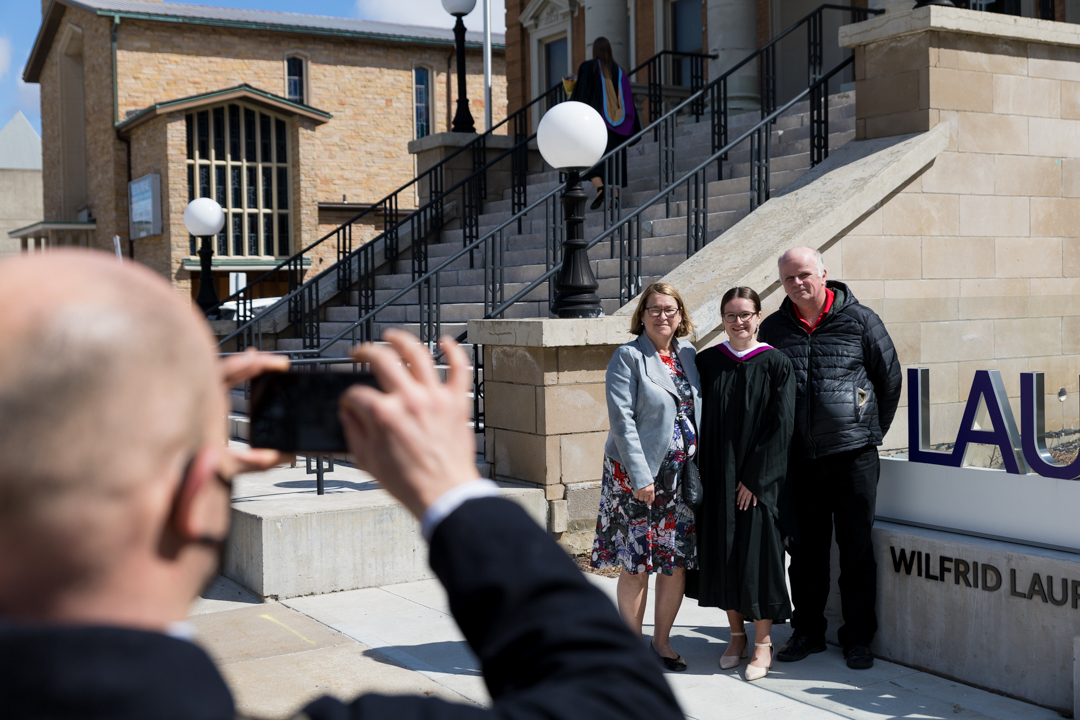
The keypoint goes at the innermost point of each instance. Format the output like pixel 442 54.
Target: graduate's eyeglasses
pixel 657 311
pixel 732 318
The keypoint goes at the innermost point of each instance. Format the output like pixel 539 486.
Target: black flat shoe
pixel 596 203
pixel 675 664
pixel 799 646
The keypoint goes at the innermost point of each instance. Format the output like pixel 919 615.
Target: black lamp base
pixel 207 297
pixel 575 289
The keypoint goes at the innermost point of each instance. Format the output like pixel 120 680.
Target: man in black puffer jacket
pixel 848 387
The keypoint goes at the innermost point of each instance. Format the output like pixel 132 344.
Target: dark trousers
pixel 835 491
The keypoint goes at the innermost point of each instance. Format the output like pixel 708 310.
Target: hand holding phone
pixel 299 411
pixel 414 437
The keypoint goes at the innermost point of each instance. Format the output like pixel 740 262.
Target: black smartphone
pixel 298 411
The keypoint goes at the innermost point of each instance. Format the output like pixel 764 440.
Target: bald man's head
pixel 107 379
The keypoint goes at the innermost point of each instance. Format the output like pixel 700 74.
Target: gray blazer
pixel 643 404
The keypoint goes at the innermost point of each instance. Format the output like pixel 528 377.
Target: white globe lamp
pixel 572 137
pixel 204 218
pixel 458 7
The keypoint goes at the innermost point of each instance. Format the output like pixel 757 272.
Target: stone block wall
pixel 366 85
pixel 546 415
pixel 975 264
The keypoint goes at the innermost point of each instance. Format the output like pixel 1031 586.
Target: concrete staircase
pixel 664 242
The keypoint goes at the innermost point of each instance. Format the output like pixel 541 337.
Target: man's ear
pixel 199 510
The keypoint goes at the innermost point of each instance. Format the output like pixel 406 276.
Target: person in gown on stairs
pixel 603 85
pixel 748 396
pixel 643 526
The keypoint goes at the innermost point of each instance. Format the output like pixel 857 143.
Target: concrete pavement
pixel 402 639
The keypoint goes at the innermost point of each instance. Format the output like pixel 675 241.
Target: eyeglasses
pixel 741 317
pixel 667 312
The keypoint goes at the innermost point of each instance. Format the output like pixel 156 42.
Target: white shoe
pixel 729 661
pixel 756 672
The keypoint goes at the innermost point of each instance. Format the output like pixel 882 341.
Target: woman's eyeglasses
pixel 741 317
pixel 657 311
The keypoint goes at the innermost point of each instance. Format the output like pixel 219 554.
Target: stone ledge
pixel 965 22
pixel 286 541
pixel 551 332
pixel 498 141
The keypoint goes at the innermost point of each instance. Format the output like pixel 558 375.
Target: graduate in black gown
pixel 748 401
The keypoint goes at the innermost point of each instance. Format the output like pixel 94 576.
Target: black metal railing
pixel 624 234
pixel 427 218
pixel 660 66
pixel 357 263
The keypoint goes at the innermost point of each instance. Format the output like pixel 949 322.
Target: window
pixel 294 79
pixel 422 101
pixel 238 155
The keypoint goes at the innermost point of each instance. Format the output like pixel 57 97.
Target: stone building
pixel 294 123
pixel 20 179
pixel 546 39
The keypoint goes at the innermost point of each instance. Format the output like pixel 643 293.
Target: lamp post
pixel 204 218
pixel 572 137
pixel 463 119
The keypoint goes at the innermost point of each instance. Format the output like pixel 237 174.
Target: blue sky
pixel 20 20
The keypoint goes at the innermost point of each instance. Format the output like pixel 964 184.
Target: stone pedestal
pixel 546 410
pixel 916 69
pixel 433 149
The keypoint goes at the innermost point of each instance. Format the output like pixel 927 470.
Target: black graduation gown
pixel 589 89
pixel 747 421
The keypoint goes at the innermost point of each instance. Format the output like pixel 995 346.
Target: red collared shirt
pixel 829 297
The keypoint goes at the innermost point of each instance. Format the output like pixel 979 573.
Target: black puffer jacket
pixel 848 378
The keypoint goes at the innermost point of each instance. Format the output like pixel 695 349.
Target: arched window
pixel 422 101
pixel 294 79
pixel 239 156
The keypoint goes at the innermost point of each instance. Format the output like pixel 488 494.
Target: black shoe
pixel 598 201
pixel 675 664
pixel 859 657
pixel 799 646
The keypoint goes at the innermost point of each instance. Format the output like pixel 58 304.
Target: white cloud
pixel 5 56
pixel 430 13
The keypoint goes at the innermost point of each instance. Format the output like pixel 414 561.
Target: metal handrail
pixel 293 259
pixel 664 194
pixel 519 118
pixel 635 215
pixel 618 230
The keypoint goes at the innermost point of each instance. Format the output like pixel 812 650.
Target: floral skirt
pixel 639 537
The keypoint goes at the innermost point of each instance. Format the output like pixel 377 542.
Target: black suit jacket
pixel 550 645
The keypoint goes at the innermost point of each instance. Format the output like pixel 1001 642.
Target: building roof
pixel 240 92
pixel 20 146
pixel 251 19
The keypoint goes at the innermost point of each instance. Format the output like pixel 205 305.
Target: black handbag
pixel 691 489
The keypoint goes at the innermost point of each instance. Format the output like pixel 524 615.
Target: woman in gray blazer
pixel 653 399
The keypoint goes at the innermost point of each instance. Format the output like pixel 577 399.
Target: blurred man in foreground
pixel 114 508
